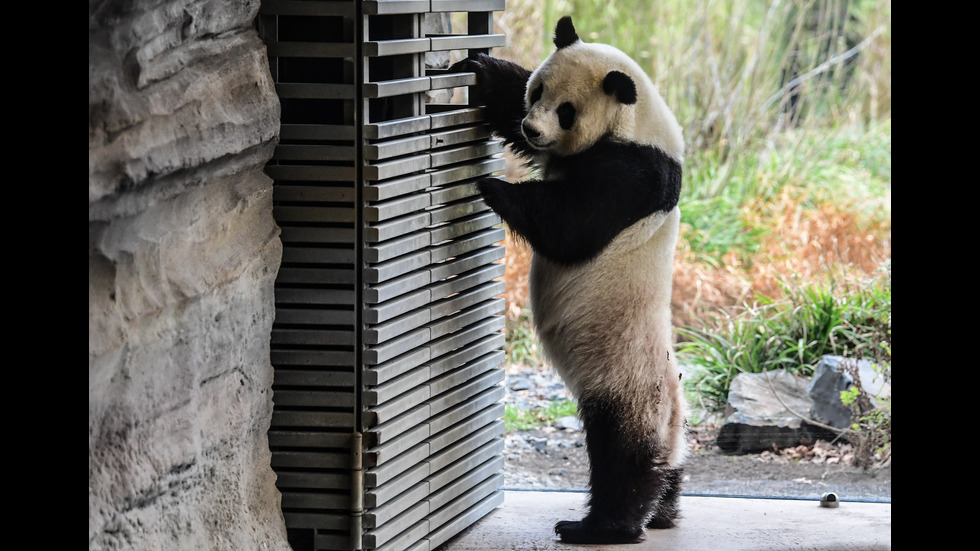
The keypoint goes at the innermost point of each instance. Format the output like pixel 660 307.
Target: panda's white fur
pixel 574 70
pixel 603 223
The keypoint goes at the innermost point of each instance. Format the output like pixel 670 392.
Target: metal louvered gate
pixel 386 344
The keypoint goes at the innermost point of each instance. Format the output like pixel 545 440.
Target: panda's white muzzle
pixel 534 137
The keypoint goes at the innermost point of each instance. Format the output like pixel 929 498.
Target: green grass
pixel 516 418
pixel 792 334
pixel 522 346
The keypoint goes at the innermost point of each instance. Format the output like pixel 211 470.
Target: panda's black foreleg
pixel 501 84
pixel 627 482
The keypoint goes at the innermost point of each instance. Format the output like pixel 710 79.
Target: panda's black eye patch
pixel 566 115
pixel 536 93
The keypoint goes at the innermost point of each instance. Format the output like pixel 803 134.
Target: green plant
pixel 792 334
pixel 517 418
pixel 521 345
pixel 871 428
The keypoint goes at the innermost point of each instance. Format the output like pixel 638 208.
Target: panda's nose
pixel 529 130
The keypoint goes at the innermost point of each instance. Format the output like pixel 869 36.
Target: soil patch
pixel 555 459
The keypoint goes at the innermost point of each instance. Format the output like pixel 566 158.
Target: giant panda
pixel 602 221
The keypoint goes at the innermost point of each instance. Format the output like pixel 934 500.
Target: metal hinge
pixel 356 491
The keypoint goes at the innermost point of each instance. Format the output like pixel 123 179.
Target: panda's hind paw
pixel 581 532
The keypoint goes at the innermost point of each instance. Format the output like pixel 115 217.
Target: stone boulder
pixel 779 409
pixel 835 374
pixel 764 411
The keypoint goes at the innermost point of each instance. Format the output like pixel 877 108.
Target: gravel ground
pixel 554 457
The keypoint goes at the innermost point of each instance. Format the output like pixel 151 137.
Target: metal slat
pixel 376 475
pixel 490 343
pixel 409 499
pixel 386 210
pixel 374 497
pixel 284 438
pixel 312 194
pixel 312 398
pixel 286 296
pixel 466 42
pixel 308 90
pixel 316 500
pixel 411 404
pixel 464 226
pixel 473 244
pixel 310 459
pixel 397 227
pixel 399 127
pixel 477 479
pixel 467 171
pixel 313 377
pixel 457 115
pixel 453 524
pixel 380 191
pixel 388 293
pixel 395 367
pixel 311 173
pixel 331 132
pixel 403 46
pixel 310 49
pixel 323 358
pixel 318 521
pixel 393 308
pixel 478 394
pixel 307 234
pixel 468 279
pixel 310 316
pixel 398 326
pixel 488 453
pixel 414 537
pixel 465 153
pixel 302 7
pixel 467 5
pixel 396 147
pixel 401 443
pixel 389 88
pixel 389 7
pixel 397 167
pixel 307 152
pixel 396 287
pixel 398 246
pixel 457 210
pixel 466 445
pixel 383 271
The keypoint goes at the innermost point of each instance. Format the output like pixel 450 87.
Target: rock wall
pixel 183 254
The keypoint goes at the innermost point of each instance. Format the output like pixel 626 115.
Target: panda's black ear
pixel 565 34
pixel 620 84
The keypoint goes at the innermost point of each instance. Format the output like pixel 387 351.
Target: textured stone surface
pixel 183 254
pixel 834 374
pixel 763 411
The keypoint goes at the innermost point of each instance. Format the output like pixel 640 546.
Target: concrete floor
pixel 525 519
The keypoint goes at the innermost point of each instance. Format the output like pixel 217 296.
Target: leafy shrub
pixel 792 334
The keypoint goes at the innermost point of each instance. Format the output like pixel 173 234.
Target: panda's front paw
pixel 492 190
pixel 476 64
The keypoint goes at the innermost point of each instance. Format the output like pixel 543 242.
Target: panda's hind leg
pixel 627 482
pixel 665 511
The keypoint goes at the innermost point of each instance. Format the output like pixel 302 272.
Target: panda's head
pixel 586 91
